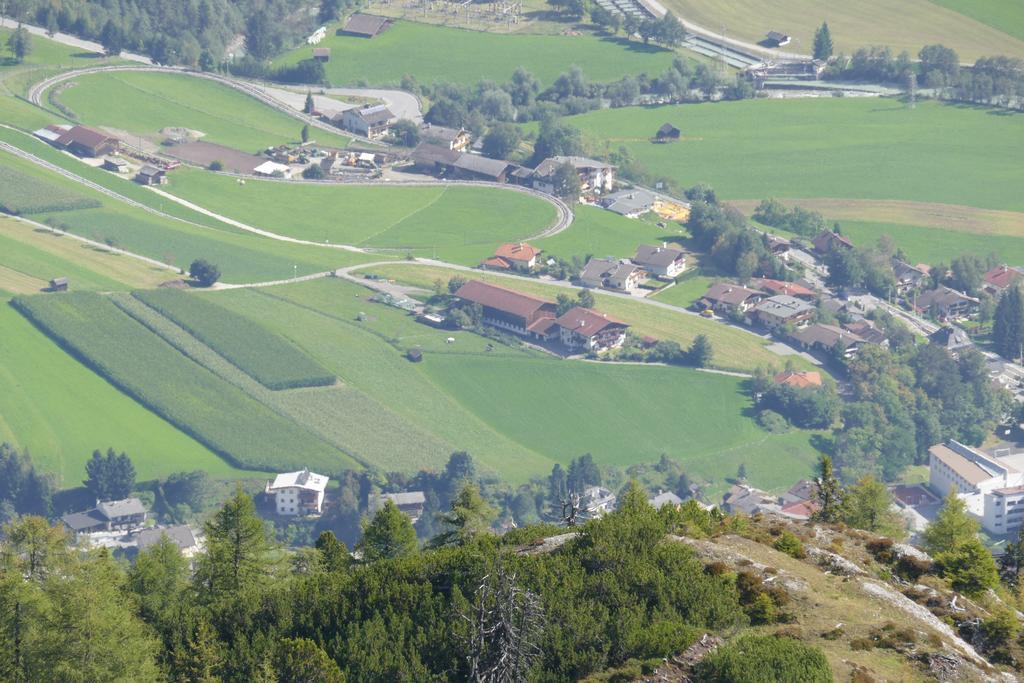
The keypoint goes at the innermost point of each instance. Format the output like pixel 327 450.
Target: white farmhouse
pixel 298 493
pixel 991 486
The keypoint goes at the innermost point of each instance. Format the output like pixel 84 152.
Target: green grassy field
pixel 905 25
pixel 60 411
pixel 148 102
pixel 1002 15
pixel 414 218
pixel 603 233
pixel 935 245
pixel 832 147
pixel 686 291
pixel 440 54
pixel 21 194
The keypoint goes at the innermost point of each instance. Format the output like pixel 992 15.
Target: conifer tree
pixel 388 535
pixel 823 42
pixel 830 492
pixel 1008 325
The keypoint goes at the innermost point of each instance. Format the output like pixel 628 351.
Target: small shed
pixel 414 355
pixel 151 175
pixel 778 39
pixel 667 133
pixel 322 54
pixel 115 164
pixel 59 284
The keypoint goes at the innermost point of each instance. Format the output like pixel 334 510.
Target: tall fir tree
pixel 823 42
pixel 1008 324
pixel 388 535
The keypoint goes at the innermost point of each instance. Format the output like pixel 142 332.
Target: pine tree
pixel 469 517
pixel 388 535
pixel 20 43
pixel 305 133
pixel 237 549
pixel 1008 325
pixel 952 527
pixel 300 660
pixel 869 507
pixel 309 106
pixel 333 552
pixel 830 492
pixel 823 42
pixel 159 577
pixel 700 352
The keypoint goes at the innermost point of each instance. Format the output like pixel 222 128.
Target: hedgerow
pixel 265 356
pixel 215 413
pixel 23 194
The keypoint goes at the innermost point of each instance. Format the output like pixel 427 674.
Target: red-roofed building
pixel 801 509
pixel 582 328
pixel 87 142
pixel 776 287
pixel 514 256
pixel 1000 278
pixel 510 310
pixel 800 380
pixel 829 241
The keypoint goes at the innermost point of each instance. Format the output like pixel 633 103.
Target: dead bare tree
pixel 571 509
pixel 505 625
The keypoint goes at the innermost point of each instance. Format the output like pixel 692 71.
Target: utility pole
pixel 912 90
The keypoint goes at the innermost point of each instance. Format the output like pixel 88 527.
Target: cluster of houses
pixel 577 330
pixel 124 524
pixel 89 143
pixel 799 502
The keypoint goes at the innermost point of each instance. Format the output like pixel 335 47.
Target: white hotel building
pixel 298 493
pixel 992 486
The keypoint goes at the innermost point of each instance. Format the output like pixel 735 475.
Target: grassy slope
pixel 734 348
pixel 148 102
pixel 61 412
pixel 1004 15
pixel 242 257
pixel 440 54
pixel 904 25
pixel 392 217
pixel 41 255
pixel 833 147
pixel 934 245
pixel 603 233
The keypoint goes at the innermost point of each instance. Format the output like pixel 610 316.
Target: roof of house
pixel 826 336
pixel 50 133
pixel 782 287
pixel 599 269
pixel 77 521
pixel 777 36
pixel 180 536
pixel 747 498
pixel 667 129
pixel 500 298
pixel 270 168
pixel 551 164
pixel 430 131
pixel 970 471
pixel 127 507
pixel 585 322
pixel 321 52
pixel 517 251
pixel 626 202
pixel 426 153
pixel 83 135
pixel 828 240
pixel 729 293
pixel 59 281
pixel 665 498
pixel 907 272
pixel 481 165
pixel 366 24
pixel 866 330
pixel 661 257
pixel 950 337
pixel 497 262
pixel 148 170
pixel 374 114
pixel 784 306
pixel 303 479
pixel 404 498
pixel 803 490
pixel 943 296
pixel 1002 277
pixel 810 378
pixel 800 509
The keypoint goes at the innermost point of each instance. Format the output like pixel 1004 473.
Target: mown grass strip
pixel 218 415
pixel 267 357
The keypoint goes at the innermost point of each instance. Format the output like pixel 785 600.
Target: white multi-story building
pixel 992 486
pixel 298 493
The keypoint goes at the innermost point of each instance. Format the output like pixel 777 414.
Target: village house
pixel 372 122
pixel 454 139
pixel 596 177
pixel 151 175
pixel 991 486
pixel 298 493
pixel 777 287
pixel 111 515
pixel 1000 278
pixel 629 203
pixel 581 329
pixel 798 380
pixel 434 159
pixel 614 274
pixel 181 536
pixel 322 54
pixel 476 167
pixel 596 501
pixel 365 25
pixel 726 297
pixel 827 242
pixel 951 338
pixel 662 262
pixel 748 500
pixel 410 503
pixel 780 310
pixel 945 303
pixel 521 314
pixel 518 256
pixel 908 277
pixel 868 331
pixel 779 246
pixel 665 498
pixel 828 339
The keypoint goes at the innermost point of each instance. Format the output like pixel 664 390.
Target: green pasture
pixel 61 411
pixel 685 292
pixel 936 245
pixel 440 54
pixel 975 28
pixel 861 148
pixel 143 103
pixel 420 218
pixel 599 232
